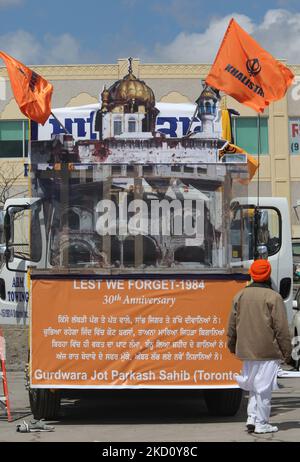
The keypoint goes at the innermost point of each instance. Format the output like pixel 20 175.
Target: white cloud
pixel 62 49
pixel 8 3
pixel 278 33
pixel 22 46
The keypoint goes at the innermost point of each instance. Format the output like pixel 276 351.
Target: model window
pixel 117 127
pixel 132 125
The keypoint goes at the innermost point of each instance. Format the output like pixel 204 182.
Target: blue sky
pixel 91 31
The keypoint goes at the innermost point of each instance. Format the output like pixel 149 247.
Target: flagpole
pixel 258 156
pixel 257 212
pixel 191 122
pixel 60 123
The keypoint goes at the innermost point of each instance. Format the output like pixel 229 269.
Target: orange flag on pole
pixel 32 92
pixel 247 72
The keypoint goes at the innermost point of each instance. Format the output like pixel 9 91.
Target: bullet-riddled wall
pixel 76 85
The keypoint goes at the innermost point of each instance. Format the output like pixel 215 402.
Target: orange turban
pixel 260 270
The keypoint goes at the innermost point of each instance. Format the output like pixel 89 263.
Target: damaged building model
pixel 136 199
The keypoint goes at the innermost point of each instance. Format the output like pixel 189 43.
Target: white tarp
pixel 173 120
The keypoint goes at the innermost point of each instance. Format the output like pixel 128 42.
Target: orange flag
pixel 247 72
pixel 252 163
pixel 32 92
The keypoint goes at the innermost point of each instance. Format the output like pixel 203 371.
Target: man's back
pixel 258 328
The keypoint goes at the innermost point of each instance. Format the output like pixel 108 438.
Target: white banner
pixel 173 120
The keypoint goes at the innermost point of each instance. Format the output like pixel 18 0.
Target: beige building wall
pixel 82 84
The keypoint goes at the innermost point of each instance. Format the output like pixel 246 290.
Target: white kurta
pixel 259 378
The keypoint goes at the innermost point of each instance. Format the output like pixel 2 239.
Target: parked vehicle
pixel 296 259
pixel 295 328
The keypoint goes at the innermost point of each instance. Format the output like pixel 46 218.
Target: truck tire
pixel 223 402
pixel 44 403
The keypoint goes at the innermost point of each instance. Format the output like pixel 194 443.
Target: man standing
pixel 258 334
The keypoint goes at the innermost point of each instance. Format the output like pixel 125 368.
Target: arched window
pixel 131 125
pixel 117 127
pixel 202 109
pixel 208 108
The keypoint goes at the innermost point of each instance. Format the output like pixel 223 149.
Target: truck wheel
pixel 45 404
pixel 223 402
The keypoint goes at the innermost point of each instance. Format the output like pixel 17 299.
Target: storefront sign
pixel 294 135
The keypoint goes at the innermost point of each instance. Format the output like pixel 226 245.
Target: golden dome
pixel 130 90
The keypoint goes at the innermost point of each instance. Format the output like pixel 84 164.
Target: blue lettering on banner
pixel 185 121
pixel 169 126
pixel 57 129
pixel 79 123
pixel 90 121
pixel 81 132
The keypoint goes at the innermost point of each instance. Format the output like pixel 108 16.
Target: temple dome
pixel 129 90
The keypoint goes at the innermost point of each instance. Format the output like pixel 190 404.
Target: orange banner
pixel 132 333
pixel 32 92
pixel 244 70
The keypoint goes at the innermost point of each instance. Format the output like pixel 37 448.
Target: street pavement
pixel 145 416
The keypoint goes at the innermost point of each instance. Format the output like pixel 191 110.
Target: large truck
pixel 130 249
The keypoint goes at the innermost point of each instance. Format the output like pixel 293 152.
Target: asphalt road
pixel 164 417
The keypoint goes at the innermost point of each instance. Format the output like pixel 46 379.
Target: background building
pixel 76 85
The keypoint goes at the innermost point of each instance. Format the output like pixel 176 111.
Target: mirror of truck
pixel 262 251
